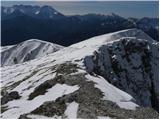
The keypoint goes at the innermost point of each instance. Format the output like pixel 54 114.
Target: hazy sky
pixel 124 8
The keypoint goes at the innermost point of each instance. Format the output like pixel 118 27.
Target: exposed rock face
pixel 132 65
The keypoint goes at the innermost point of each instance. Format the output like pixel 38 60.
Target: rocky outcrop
pixel 130 64
pixel 6 97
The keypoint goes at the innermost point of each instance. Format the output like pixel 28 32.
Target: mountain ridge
pixel 26 51
pixel 90 77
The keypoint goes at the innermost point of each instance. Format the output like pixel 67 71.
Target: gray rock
pixel 131 65
pixel 9 97
pixel 14 95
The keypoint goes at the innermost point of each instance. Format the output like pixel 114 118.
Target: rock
pixel 5 100
pixel 4 92
pixel 129 64
pixel 24 116
pixel 50 109
pixel 9 96
pixel 14 95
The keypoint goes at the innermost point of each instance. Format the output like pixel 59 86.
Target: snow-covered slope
pixel 26 51
pixel 74 82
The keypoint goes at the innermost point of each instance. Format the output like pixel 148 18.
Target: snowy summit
pixel 25 51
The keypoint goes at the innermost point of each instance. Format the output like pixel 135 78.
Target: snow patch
pixel 71 111
pixel 23 106
pixel 55 13
pixel 38 117
pixel 37 12
pixel 103 117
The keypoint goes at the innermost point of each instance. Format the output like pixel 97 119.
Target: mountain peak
pixel 44 12
pixel 47 7
pixel 27 50
pixel 112 14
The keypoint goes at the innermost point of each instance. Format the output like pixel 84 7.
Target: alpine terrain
pixel 113 75
pixel 26 51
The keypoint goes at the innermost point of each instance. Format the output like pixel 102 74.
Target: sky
pixel 137 9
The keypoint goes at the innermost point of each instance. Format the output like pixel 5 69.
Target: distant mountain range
pixel 23 22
